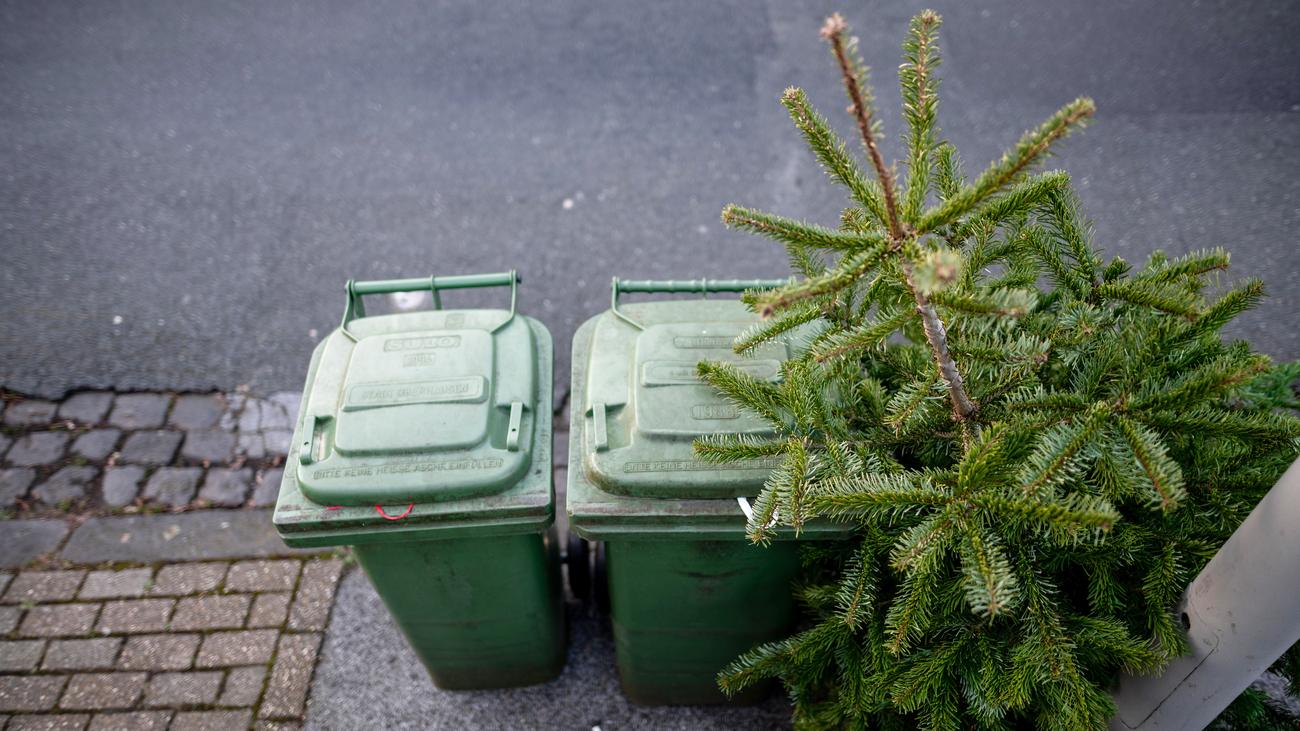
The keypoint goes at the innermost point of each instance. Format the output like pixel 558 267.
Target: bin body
pixel 684 609
pixel 485 612
pixel 688 592
pixel 424 444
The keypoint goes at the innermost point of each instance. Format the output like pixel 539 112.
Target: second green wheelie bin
pixel 424 443
pixel 688 591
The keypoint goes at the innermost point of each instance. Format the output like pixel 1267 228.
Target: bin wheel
pixel 578 558
pixel 600 580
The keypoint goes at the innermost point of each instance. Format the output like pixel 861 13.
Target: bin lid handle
pixel 356 290
pixel 703 286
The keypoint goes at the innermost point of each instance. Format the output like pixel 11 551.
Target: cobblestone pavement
pixel 98 451
pixel 184 645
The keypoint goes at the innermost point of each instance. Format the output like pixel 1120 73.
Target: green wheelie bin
pixel 688 592
pixel 424 443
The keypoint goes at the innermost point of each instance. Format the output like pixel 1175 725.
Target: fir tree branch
pixel 728 448
pixel 924 542
pixel 861 337
pixel 847 273
pixel 831 153
pixel 875 495
pixel 1164 297
pixel 1194 264
pixel 856 597
pixel 1077 512
pixel 920 100
pixel 949 176
pixel 990 585
pixel 797 233
pixel 834 32
pixel 742 388
pixel 1019 200
pixel 761 333
pixel 1225 309
pixel 1211 380
pixel 1056 458
pixel 1032 146
pixel 910 613
pixel 1162 473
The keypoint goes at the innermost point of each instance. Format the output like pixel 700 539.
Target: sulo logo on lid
pixel 427 342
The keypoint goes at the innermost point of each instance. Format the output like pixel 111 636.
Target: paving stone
pixel 96 691
pixel 5 578
pixel 286 693
pixel 311 607
pixel 250 417
pixel 269 610
pixel 38 448
pixel 245 647
pixel 30 693
pixel 139 410
pixel 277 726
pixel 211 612
pixel 24 540
pixel 133 721
pixel 5 442
pixel 135 616
pixel 194 411
pixel 226 487
pixel 262 576
pixel 96 444
pixel 30 412
pixel 251 446
pixel 277 441
pixel 275 416
pixel 87 407
pixel 153 448
pixel 44 586
pixel 187 578
pixel 115 584
pixel 20 656
pixel 212 721
pixel 290 402
pixel 183 689
pixel 94 654
pixel 174 486
pixel 58 620
pixel 14 483
pixel 49 722
pixel 159 652
pixel 193 536
pixel 121 484
pixel 65 486
pixel 212 447
pixel 234 405
pixel 243 686
pixel 267 488
pixel 9 619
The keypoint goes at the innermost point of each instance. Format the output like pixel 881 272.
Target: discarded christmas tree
pixel 1039 449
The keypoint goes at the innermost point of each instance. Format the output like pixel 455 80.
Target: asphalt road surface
pixel 185 185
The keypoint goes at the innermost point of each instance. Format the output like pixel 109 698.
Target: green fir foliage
pixel 1038 449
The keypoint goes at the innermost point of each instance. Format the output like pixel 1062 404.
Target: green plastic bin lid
pixel 418 407
pixel 644 405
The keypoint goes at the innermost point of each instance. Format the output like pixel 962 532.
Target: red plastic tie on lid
pixel 380 510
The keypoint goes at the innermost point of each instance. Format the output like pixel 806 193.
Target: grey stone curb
pixel 198 535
